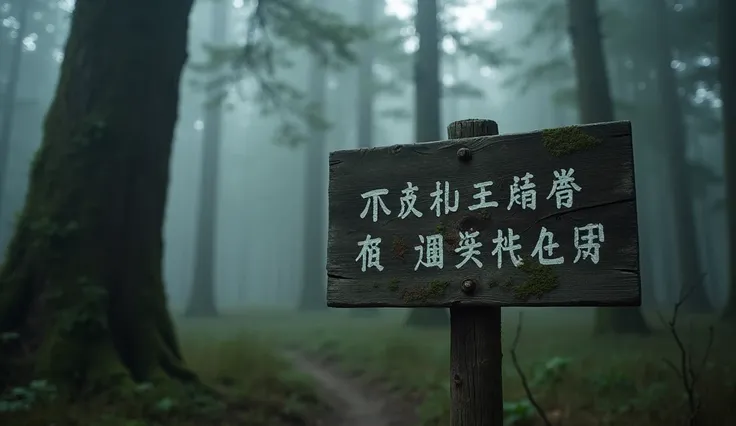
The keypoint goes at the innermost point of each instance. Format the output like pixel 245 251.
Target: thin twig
pixel 522 376
pixel 686 371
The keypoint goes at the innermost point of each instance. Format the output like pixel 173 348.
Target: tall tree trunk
pixel 649 122
pixel 595 105
pixel 427 110
pixel 727 55
pixel 624 83
pixel 366 84
pixel 10 92
pixel 202 297
pixel 675 133
pixel 315 233
pixel 366 16
pixel 82 280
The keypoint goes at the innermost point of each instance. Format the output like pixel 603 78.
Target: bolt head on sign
pixel 545 218
pixel 468 286
pixel 464 154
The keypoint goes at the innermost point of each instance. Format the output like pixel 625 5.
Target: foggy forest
pixel 170 223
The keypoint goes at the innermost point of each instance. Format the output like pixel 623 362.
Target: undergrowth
pixel 575 378
pixel 249 384
pixel 578 379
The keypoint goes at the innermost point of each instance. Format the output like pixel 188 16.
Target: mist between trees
pixel 228 165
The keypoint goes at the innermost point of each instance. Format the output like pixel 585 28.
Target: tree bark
pixel 82 280
pixel 727 56
pixel 202 297
pixel 596 105
pixel 427 97
pixel 675 153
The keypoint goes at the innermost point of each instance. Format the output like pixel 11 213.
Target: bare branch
pixel 686 371
pixel 274 30
pixel 524 382
pixel 706 355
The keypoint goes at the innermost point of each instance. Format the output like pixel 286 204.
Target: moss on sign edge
pixel 435 290
pixel 567 140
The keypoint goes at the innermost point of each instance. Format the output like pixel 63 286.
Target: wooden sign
pixel 545 218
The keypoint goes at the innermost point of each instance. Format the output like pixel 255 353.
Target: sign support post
pixel 482 221
pixel 476 381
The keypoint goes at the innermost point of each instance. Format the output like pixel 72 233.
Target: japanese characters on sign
pixel 587 238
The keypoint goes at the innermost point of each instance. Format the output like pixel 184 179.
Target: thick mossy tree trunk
pixel 82 282
pixel 727 55
pixel 596 105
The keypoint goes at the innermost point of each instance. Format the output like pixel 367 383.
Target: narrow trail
pixel 351 404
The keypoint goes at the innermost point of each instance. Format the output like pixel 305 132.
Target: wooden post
pixel 481 221
pixel 475 335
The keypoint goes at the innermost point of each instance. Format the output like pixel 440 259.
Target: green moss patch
pixel 394 285
pixel 540 280
pixel 435 290
pixel 567 140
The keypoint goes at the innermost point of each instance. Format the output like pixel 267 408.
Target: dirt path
pixel 351 404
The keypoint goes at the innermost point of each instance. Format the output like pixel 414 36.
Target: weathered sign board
pixel 546 218
pixel 478 222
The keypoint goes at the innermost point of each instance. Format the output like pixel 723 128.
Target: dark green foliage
pixel 481 48
pixel 392 34
pixel 23 398
pixel 627 37
pixel 278 28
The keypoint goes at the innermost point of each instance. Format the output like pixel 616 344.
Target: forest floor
pixel 351 403
pixel 578 379
pixel 312 389
pixel 254 386
pixel 332 369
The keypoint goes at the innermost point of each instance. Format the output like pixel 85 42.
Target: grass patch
pixel 255 387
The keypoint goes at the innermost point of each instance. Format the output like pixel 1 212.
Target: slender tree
pixel 315 225
pixel 727 56
pixel 10 89
pixel 428 94
pixel 202 297
pixel 366 12
pixel 596 105
pixel 674 152
pixel 366 84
